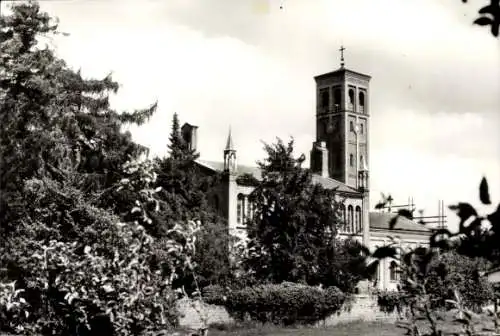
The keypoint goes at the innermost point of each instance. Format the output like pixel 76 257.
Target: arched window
pixel 351 99
pixel 351 126
pixel 361 128
pixel 325 99
pixel 342 217
pixel 362 99
pixel 240 209
pixel 359 219
pixel 351 160
pixel 350 219
pixel 393 271
pixel 361 160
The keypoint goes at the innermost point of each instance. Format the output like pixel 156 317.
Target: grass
pixel 353 328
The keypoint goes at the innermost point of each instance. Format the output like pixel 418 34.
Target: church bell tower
pixel 342 122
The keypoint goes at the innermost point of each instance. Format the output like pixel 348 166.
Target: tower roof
pixel 342 72
pixel 229 143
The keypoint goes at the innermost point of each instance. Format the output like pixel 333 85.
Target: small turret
pixel 230 155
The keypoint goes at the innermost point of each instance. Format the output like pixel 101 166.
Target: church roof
pixel 326 182
pixel 380 220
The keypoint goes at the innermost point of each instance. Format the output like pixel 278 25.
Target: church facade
pixel 338 159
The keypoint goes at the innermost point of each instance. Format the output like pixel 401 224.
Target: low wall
pixel 361 308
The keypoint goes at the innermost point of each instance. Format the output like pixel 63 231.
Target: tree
pixel 184 190
pixel 77 252
pixel 295 221
pixel 478 237
pixel 450 271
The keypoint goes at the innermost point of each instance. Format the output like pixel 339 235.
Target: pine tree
pixel 176 146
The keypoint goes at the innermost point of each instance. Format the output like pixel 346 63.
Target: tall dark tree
pixel 184 193
pixel 295 222
pixel 67 186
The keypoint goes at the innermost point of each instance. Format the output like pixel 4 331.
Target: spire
pixel 229 143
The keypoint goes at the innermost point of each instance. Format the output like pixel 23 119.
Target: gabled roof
pixel 380 220
pixel 325 182
pixel 242 170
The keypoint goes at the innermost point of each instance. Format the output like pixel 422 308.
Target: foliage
pixel 184 195
pixel 79 249
pixel 390 301
pixel 489 16
pixel 215 294
pixel 426 269
pixel 284 304
pixel 247 180
pixel 294 226
pixel 451 270
pixel 92 270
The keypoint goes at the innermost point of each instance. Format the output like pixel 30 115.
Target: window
pixel 249 209
pixel 325 99
pixel 362 99
pixel 361 160
pixel 239 209
pixel 337 97
pixel 393 271
pixel 342 216
pixel 359 219
pixel 351 97
pixel 361 128
pixel 351 126
pixel 216 203
pixel 351 160
pixel 350 220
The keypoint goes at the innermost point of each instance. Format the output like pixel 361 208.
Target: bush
pixel 388 302
pixel 284 304
pixel 215 294
pixel 451 271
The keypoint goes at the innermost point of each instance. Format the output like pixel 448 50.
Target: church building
pixel 338 159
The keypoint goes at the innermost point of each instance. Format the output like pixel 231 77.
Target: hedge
pixel 284 304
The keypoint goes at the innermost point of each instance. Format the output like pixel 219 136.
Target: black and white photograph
pixel 249 167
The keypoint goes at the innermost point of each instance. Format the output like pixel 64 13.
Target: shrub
pixel 389 301
pixel 284 304
pixel 215 294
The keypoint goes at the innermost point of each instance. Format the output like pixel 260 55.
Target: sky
pixel 249 65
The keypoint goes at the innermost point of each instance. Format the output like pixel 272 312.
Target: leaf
pixel 87 249
pixel 380 205
pixel 483 21
pixel 406 213
pixel 484 194
pixel 464 210
pixel 385 252
pixel 393 221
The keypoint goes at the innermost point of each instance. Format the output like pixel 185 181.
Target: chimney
pixel 319 159
pixel 190 135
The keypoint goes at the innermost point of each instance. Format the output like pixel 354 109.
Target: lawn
pixel 354 328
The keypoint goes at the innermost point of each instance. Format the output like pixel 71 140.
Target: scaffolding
pixel 440 219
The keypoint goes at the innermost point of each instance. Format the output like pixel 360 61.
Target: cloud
pixel 434 91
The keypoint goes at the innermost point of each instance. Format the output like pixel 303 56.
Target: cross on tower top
pixel 342 56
